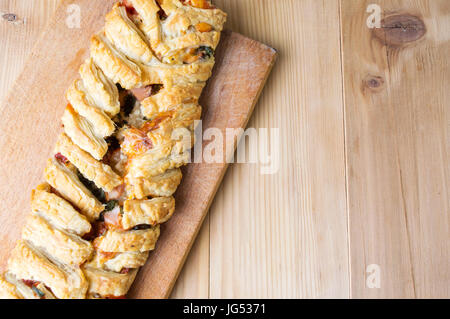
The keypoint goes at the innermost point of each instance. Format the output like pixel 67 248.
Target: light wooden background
pixel 364 172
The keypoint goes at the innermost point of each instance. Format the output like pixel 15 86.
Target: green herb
pixel 119 87
pixel 113 143
pixel 97 192
pixel 156 88
pixel 129 103
pixel 110 205
pixel 205 52
pixel 141 227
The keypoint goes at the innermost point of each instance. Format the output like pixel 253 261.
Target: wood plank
pixel 285 235
pixel 398 145
pixel 30 125
pixel 193 281
pixel 19 36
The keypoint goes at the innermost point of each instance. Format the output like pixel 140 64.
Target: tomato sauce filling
pixel 131 11
pixel 33 285
pixel 61 158
pixel 98 229
pixel 125 271
pixel 30 283
pixel 113 218
pixel 136 140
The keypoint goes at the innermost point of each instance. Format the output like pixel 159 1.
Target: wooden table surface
pixel 360 204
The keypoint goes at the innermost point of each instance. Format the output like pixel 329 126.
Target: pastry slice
pixel 126 36
pixel 103 91
pixel 101 174
pixel 67 183
pixel 128 260
pixel 114 64
pixel 28 263
pixel 147 19
pixel 84 105
pixel 118 262
pixel 108 284
pixel 27 289
pixel 182 74
pixel 9 290
pixel 166 100
pixel 147 212
pixel 147 167
pixel 160 185
pixel 65 247
pixel 140 240
pixel 83 134
pixel 58 211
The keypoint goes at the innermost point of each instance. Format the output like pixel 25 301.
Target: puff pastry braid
pixel 127 129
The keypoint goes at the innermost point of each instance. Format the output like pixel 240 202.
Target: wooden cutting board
pixel 30 124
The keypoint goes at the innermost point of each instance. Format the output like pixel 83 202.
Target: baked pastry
pixel 128 128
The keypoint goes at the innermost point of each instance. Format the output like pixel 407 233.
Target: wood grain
pixel 193 280
pixel 398 146
pixel 30 123
pixel 285 235
pixel 276 236
pixel 18 37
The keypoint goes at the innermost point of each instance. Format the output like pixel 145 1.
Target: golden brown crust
pixel 58 211
pixel 215 17
pixel 178 30
pixel 114 64
pixel 150 25
pixel 147 212
pixel 28 263
pixel 167 99
pixel 192 39
pixel 159 185
pixel 103 91
pixel 102 125
pixel 128 241
pixel 108 284
pixel 125 36
pixel 118 261
pixel 69 186
pixel 177 75
pixel 101 174
pixel 82 133
pixel 8 290
pixel 65 247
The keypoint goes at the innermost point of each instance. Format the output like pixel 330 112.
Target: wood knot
pixel 11 17
pixel 373 83
pixel 400 29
